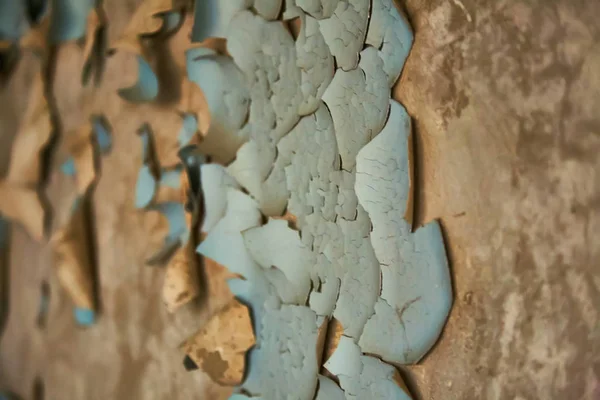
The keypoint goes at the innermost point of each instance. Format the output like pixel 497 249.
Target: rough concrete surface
pixel 505 97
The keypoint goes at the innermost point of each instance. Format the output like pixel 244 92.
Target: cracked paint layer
pixel 358 101
pixel 364 377
pixel 390 32
pixel 315 63
pixel 345 30
pixel 225 245
pixel 223 88
pixel 416 290
pixel 328 390
pixel 319 9
pixel 284 362
pixel 277 248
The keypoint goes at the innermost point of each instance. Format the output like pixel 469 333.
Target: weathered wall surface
pixel 505 98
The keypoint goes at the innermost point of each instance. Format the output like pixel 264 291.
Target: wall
pixel 504 97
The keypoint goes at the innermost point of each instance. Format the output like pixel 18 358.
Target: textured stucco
pixel 504 96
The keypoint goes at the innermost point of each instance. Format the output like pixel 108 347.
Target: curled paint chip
pixel 276 247
pixel 359 272
pixel 390 32
pixel 188 130
pixel 265 53
pixel 215 184
pixel 416 290
pixel 222 85
pixel 345 30
pixel 358 101
pixel 225 245
pixel 219 348
pixel 364 377
pixel 252 168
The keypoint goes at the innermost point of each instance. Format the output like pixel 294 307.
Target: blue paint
pixel 171 178
pixel 146 87
pixel 171 20
pixel 84 316
pixel 144 188
pixel 188 130
pixel 104 140
pixel 12 19
pixel 68 19
pixel 103 135
pixel 68 167
pixel 175 214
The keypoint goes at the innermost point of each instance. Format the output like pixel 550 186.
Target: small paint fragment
pixel 84 316
pixel 102 133
pixel 68 167
pixel 68 19
pixel 145 187
pixel 146 87
pixel 188 129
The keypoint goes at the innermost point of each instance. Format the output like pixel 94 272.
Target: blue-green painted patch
pixel 188 130
pixel 103 135
pixel 68 19
pixel 175 214
pixel 145 187
pixel 84 316
pixel 12 19
pixel 68 167
pixel 171 178
pixel 146 87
